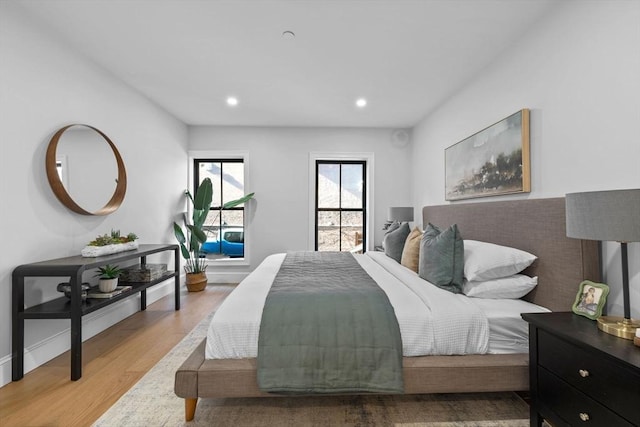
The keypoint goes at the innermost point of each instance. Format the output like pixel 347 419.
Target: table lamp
pixel 400 214
pixel 608 216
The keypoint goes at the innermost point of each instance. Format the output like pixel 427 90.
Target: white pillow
pixel 486 261
pixel 512 287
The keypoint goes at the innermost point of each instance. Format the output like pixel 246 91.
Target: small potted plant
pixel 108 277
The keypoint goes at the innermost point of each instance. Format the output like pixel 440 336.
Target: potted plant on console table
pixel 108 277
pixel 191 242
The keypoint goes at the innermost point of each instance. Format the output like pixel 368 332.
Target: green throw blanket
pixel 328 328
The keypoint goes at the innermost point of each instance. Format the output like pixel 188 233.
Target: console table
pixel 74 308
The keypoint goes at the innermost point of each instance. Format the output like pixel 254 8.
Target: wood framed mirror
pixel 84 172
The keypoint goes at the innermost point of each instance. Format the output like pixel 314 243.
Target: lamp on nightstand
pixel 608 216
pixel 403 214
pixel 398 214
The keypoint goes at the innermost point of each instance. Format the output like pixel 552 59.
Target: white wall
pixel 278 169
pixel 44 86
pixel 577 71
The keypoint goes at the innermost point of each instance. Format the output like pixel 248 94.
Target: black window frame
pixel 196 184
pixel 340 209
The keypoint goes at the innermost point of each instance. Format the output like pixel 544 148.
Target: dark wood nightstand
pixel 580 375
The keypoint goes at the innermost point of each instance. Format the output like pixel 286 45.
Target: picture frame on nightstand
pixel 591 299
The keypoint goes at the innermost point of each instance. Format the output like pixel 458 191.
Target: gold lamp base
pixel 618 326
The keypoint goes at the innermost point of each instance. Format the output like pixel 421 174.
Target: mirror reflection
pixel 88 169
pixel 85 170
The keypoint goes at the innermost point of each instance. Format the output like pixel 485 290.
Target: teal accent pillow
pixel 442 258
pixel 393 242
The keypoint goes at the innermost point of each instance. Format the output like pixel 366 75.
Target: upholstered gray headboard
pixel 536 226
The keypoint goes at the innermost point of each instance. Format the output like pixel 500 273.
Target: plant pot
pixel 196 281
pixel 108 285
pixel 95 251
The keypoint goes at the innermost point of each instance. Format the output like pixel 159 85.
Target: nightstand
pixel 580 375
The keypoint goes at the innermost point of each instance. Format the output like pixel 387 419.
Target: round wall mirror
pixel 85 170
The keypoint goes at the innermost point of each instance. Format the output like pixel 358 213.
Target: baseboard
pixel 92 324
pixel 226 277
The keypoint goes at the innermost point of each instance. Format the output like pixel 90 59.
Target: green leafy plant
pixel 108 272
pixel 191 241
pixel 113 238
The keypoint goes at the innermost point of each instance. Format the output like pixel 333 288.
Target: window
pixel 340 205
pixel 224 227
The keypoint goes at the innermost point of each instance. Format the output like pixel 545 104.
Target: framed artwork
pixel 492 162
pixel 590 299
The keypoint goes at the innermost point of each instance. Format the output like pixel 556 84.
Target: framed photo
pixel 492 162
pixel 591 299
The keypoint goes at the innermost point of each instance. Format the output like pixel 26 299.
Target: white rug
pixel 152 402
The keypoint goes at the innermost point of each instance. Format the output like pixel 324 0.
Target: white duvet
pixel 432 321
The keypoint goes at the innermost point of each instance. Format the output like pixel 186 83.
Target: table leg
pixel 176 263
pixel 17 329
pixel 76 327
pixel 143 293
pixel 143 300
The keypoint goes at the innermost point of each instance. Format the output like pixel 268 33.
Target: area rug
pixel 152 402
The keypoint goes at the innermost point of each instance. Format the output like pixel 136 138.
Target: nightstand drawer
pixel 612 385
pixel 574 407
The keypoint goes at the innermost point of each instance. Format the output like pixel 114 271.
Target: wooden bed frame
pixel 536 226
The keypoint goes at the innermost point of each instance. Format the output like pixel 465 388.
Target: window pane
pixel 233 233
pixel 212 223
pixel 233 181
pixel 351 235
pixel 211 170
pixel 352 178
pixel 328 185
pixel 328 231
pixel 233 218
pixel 340 205
pixel 224 229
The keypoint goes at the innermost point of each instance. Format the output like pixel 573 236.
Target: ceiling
pixel 404 56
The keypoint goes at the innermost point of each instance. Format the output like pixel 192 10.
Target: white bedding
pixel 429 317
pixel 509 333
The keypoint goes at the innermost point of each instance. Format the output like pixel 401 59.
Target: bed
pixel 536 226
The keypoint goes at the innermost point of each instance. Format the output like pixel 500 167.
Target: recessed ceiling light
pixel 232 101
pixel 361 102
pixel 288 35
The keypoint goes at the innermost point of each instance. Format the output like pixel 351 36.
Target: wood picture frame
pixel 590 299
pixel 491 162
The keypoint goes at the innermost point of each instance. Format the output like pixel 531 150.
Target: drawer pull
pixel 584 416
pixel 583 373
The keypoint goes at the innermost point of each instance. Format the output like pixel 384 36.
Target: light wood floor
pixel 113 361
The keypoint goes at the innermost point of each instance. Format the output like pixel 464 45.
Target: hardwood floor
pixel 113 361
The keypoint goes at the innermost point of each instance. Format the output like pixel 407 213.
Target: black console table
pixel 74 308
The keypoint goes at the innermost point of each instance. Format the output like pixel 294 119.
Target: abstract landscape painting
pixel 491 162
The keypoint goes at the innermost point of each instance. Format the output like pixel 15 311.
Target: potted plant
pixel 108 277
pixel 191 241
pixel 110 244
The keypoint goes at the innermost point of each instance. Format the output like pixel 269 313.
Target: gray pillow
pixel 392 226
pixel 393 241
pixel 442 258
